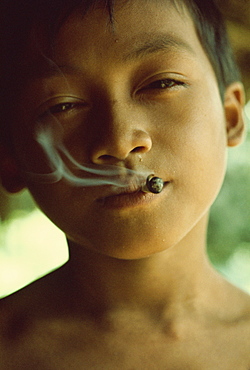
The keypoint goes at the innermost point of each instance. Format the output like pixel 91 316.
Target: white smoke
pixel 91 174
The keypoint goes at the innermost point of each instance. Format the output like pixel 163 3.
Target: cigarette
pixel 153 185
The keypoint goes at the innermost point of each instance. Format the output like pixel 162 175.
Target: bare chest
pixel 79 348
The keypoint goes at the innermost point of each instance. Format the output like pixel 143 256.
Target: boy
pixel 142 87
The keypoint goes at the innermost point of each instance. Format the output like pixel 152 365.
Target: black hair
pixel 212 33
pixel 19 18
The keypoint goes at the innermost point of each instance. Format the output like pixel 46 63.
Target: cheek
pixel 193 124
pixel 192 141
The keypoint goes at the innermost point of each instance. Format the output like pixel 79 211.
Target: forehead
pixel 129 15
pixel 137 26
pixel 89 41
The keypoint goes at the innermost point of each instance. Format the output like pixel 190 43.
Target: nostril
pixel 105 156
pixel 119 144
pixel 139 149
pixel 108 159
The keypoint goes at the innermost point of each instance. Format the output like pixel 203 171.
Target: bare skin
pixel 200 324
pixel 138 291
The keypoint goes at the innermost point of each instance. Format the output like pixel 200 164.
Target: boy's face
pixel 142 96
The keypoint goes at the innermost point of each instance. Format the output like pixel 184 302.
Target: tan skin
pixel 138 291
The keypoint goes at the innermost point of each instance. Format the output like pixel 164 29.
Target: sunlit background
pixel 31 246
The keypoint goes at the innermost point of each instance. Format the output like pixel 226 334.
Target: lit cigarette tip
pixel 153 185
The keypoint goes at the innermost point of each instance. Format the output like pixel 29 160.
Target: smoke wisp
pixel 91 175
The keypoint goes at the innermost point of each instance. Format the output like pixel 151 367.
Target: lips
pixel 127 198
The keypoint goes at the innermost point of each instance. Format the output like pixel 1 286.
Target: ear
pixel 10 175
pixel 234 101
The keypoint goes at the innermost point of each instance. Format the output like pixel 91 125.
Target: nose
pixel 122 135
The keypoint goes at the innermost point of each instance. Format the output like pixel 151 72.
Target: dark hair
pixel 19 18
pixel 212 33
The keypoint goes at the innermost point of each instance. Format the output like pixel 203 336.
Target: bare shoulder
pixel 34 321
pixel 15 307
pixel 14 324
pixel 237 306
pixel 22 315
pixel 241 334
pixel 20 308
pixel 244 319
pixel 236 326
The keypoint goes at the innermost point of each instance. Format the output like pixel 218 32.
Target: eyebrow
pixel 151 43
pixel 156 43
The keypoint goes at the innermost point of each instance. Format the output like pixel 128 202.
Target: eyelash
pixel 62 107
pixel 164 84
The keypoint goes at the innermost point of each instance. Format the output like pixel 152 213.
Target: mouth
pixel 128 198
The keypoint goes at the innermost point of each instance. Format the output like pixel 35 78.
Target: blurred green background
pixel 30 246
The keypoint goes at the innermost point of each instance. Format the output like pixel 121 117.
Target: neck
pixel 172 277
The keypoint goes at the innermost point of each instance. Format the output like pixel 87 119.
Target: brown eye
pixel 60 108
pixel 165 84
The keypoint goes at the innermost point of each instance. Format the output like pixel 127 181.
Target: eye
pixel 62 110
pixel 164 84
pixel 62 107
